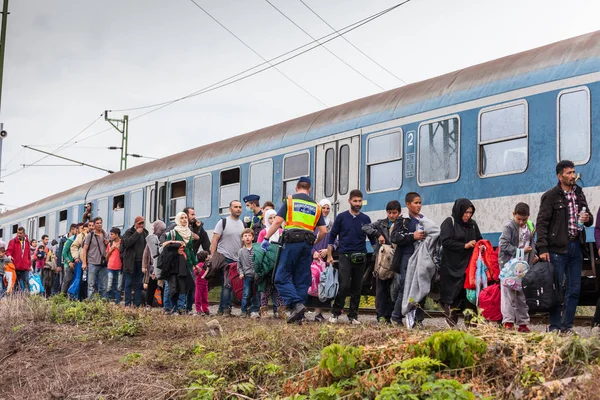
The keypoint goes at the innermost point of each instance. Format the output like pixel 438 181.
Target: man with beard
pixel 560 233
pixel 353 256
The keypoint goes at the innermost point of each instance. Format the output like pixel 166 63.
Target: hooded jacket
pixel 454 234
pixel 132 243
pixel 21 255
pixel 509 242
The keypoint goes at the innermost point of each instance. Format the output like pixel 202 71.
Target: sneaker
pixel 569 332
pixel 524 329
pixel 354 321
pixel 245 315
pixel 264 311
pixel 281 310
pixel 554 331
pixel 319 318
pixel 297 313
pixel 254 315
pixel 384 320
pixel 333 319
pixel 410 318
pixel 510 326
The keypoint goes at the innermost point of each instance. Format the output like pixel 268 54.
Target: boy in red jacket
pixel 18 251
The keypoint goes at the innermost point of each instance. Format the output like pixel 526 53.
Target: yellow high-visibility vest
pixel 302 214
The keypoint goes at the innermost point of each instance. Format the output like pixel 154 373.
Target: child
pixel 270 291
pixel 201 297
pixel 3 261
pixel 246 270
pixel 517 234
pixel 40 258
pixel 49 273
pixel 114 273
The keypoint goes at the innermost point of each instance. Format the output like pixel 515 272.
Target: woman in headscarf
pixel 459 235
pixel 149 269
pixel 183 286
pixel 320 253
pixel 270 292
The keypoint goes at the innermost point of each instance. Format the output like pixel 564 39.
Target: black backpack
pixel 540 287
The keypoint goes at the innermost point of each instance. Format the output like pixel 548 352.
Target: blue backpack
pixel 514 271
pixel 328 284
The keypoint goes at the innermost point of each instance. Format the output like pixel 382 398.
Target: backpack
pixel 383 262
pixel 489 302
pixel 328 284
pixel 540 287
pixel 436 257
pixel 514 270
pixel 35 284
pixel 237 284
pixel 316 268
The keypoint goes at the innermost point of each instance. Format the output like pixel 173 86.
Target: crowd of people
pixel 281 261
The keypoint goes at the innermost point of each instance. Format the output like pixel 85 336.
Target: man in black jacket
pixel 560 233
pixel 132 248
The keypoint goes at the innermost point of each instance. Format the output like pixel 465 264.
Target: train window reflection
pixel 384 162
pixel 439 151
pixel 261 179
pixel 203 195
pixel 503 142
pixel 574 125
pixel 229 188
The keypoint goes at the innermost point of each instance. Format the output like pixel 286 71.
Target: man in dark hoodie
pixel 133 244
pixel 459 235
pixel 560 234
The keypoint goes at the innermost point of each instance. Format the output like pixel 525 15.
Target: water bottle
pixel 420 226
pixel 579 222
pixel 84 276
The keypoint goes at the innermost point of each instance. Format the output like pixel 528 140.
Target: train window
pixel 178 198
pixel 41 222
pixel 229 188
pixel 439 151
pixel 118 219
pixel 295 166
pixel 15 228
pixel 574 125
pixel 75 216
pixel 103 210
pixel 162 198
pixel 261 179
pixel 329 172
pixel 51 231
pixel 62 221
pixel 384 162
pixel 344 169
pixel 503 139
pixel 1 233
pixel 203 196
pixel 136 205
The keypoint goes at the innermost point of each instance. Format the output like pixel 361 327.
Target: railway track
pixel 541 319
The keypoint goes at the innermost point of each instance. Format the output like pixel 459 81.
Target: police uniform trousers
pixel 293 277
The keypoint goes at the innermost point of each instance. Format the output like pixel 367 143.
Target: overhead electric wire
pixel 329 37
pixel 352 44
pixel 61 147
pixel 257 53
pixel 13 159
pixel 328 50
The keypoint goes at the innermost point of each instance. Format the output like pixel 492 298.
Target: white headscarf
pixel 275 236
pixel 325 202
pixel 184 231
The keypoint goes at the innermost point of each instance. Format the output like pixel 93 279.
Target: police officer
pixel 292 277
pixel 255 222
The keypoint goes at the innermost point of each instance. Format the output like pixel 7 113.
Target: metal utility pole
pixel 121 125
pixel 3 43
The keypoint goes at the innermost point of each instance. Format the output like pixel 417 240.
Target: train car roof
pixel 572 57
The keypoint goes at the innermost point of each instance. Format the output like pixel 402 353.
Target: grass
pixel 61 349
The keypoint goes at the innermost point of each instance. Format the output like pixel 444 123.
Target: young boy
pixel 115 275
pixel 201 297
pixel 246 270
pixel 518 233
pixel 382 231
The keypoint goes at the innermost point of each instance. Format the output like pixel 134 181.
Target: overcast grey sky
pixel 67 61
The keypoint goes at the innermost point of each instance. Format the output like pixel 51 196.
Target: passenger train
pixel 492 133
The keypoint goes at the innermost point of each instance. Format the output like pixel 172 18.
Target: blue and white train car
pixel 492 132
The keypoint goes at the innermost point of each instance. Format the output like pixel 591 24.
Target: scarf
pixel 158 227
pixel 184 231
pixel 276 235
pixel 325 202
pixel 458 210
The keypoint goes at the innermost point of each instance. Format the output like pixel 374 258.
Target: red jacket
pixel 490 259
pixel 21 259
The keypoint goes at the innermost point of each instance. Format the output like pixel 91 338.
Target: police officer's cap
pixel 305 179
pixel 251 197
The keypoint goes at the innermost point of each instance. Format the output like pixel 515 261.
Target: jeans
pixel 115 285
pixel 247 296
pixel 1 285
pixel 134 280
pixel 350 276
pixel 226 291
pixel 68 274
pixel 167 303
pixel 97 277
pixel 383 299
pixel 22 277
pixel 293 277
pixel 567 267
pixel 397 313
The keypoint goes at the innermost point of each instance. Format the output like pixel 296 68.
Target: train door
pixel 337 172
pixel 155 203
pixel 31 228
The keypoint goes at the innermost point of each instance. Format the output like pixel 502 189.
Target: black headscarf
pixel 458 210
